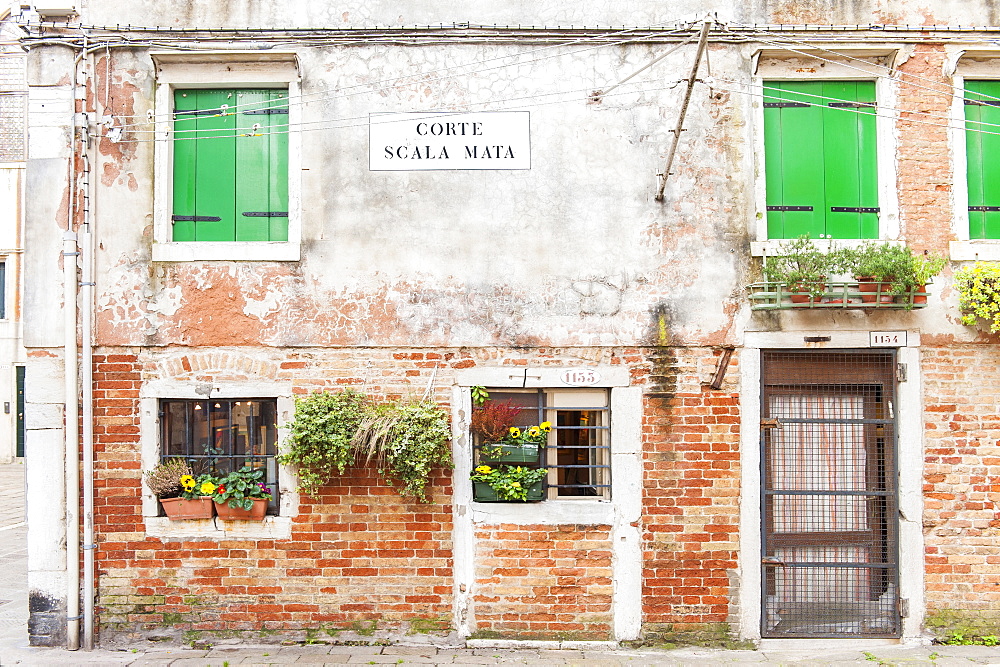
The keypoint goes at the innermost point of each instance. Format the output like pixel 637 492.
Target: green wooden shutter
pixel 982 140
pixel 226 169
pixel 819 148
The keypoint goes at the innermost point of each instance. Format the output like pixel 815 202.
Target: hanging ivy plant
pixel 979 294
pixel 332 430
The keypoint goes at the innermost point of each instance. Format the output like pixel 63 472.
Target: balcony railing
pixel 778 296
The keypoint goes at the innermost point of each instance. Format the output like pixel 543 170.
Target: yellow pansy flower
pixel 534 432
pixel 515 432
pixel 187 481
pixel 207 488
pixel 484 470
pixel 545 426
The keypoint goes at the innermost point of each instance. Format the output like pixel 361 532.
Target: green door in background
pixel 20 411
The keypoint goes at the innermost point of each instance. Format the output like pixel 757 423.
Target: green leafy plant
pixel 979 294
pixel 333 430
pixel 241 487
pixel 894 264
pixel 479 395
pixel 164 479
pixel 322 430
pixel 509 482
pixel 408 440
pixel 802 266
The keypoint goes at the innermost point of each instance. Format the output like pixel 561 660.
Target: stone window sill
pixel 271 528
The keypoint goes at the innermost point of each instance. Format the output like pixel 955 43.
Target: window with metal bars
pixel 577 452
pixel 218 436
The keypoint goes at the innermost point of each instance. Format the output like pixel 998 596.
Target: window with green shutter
pixel 982 142
pixel 819 159
pixel 230 165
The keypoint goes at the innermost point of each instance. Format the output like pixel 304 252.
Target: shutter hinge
pixel 852 105
pixel 854 209
pixel 264 112
pixel 789 208
pixel 781 105
pixel 195 218
pixel 983 103
pixel 903 605
pixel 900 372
pixel 266 214
pixel 984 208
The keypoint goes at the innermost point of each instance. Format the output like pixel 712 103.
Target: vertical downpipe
pixel 72 443
pixel 87 296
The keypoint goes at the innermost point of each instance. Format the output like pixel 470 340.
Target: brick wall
pixel 962 486
pixel 543 581
pixel 361 559
pixel 691 503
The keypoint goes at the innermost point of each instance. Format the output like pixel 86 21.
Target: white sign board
pixel 424 141
pixel 887 339
pixel 580 377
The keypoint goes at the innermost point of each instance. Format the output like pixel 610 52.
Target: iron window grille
pixel 577 452
pixel 218 436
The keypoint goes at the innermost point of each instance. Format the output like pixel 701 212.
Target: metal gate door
pixel 828 494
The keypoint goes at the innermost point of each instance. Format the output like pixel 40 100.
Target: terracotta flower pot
pixel 183 508
pixel 873 290
pixel 255 513
pixel 920 298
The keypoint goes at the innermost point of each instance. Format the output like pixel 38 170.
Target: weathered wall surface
pixel 572 252
pixel 243 13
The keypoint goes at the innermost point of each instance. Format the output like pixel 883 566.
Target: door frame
pixel 910 473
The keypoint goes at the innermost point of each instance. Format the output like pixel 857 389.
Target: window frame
pixel 234 69
pixel 967 65
pixel 235 460
pixel 813 65
pixel 547 408
pixel 275 526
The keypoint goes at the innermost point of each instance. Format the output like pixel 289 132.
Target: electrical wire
pixel 405 81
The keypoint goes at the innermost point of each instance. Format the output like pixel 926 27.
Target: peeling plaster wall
pixel 572 252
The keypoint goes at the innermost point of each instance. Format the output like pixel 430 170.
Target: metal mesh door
pixel 828 494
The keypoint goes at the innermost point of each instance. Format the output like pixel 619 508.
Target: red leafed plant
pixel 492 420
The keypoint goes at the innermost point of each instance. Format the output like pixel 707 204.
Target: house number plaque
pixel 886 339
pixel 580 377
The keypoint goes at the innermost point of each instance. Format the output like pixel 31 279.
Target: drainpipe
pixel 72 442
pixel 87 295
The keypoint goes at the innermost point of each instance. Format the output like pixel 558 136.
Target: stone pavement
pixel 14 649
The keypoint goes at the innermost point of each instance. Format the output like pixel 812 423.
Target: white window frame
pixel 232 69
pixel 622 512
pixel 977 65
pixel 273 526
pixel 804 64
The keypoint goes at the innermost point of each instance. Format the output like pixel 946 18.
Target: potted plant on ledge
pixel 886 271
pixel 181 495
pixel 242 495
pixel 507 484
pixel 517 445
pixel 802 268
